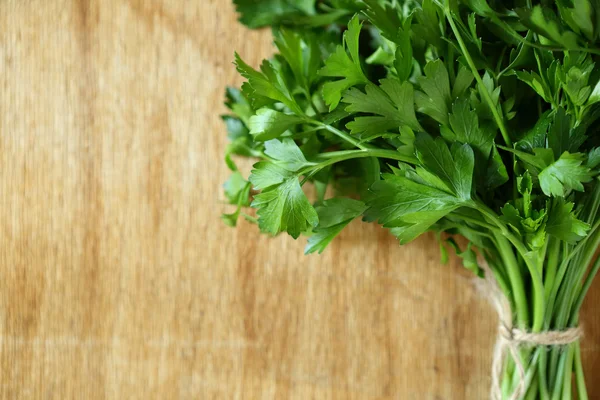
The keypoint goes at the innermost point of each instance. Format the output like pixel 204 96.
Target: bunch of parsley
pixel 473 118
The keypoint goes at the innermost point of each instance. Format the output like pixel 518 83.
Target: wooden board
pixel 117 278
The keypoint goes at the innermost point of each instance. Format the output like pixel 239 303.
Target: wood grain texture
pixel 117 278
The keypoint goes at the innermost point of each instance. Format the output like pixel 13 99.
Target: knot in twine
pixel 510 338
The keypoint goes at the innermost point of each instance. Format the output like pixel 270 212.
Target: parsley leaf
pixel 385 17
pixel 544 21
pixel 559 133
pixel 234 186
pixel 266 174
pixel 464 80
pixel 594 158
pixel 393 101
pixel 429 18
pixel 454 168
pixel 237 190
pixel 410 207
pixel 563 224
pixel 286 154
pixel 435 99
pixel 302 55
pixel 579 17
pixel 466 129
pixel 285 208
pixel 536 137
pixel 269 124
pixel 256 14
pixel 395 198
pixel 269 83
pixel 334 215
pixel 343 63
pixel 468 256
pixel 564 175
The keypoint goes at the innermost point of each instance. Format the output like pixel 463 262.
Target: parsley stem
pixel 380 153
pixel 579 376
pixel 504 241
pixel 475 221
pixel 542 378
pixel 564 266
pixel 551 265
pixel 250 218
pixel 341 134
pixel 535 269
pixel 508 29
pixel 516 281
pixel 486 94
pixel 338 156
pixel 567 377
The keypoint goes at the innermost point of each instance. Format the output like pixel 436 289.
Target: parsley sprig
pixel 470 118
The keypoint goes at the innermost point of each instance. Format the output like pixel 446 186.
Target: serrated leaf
pixel 560 132
pixel 543 21
pixel 484 109
pixel 495 173
pixel 595 95
pixel 407 231
pixel 393 101
pixel 525 184
pixel 564 175
pixel 435 99
pixel 386 18
pixel 465 128
pixel 285 208
pixel 594 158
pixel 256 14
pixel 334 215
pixel 537 83
pixel 403 56
pixel 522 54
pixel 454 168
pixel 575 81
pixel 343 63
pixel 563 224
pixel 239 104
pixel 511 216
pixel 427 28
pixel 235 127
pixel 579 17
pixel 537 136
pixel 302 55
pixel 269 124
pixel 399 202
pixel 381 56
pixel 237 190
pixel 536 162
pixel 468 256
pixel 268 83
pixel 266 174
pixel 532 227
pixel 464 80
pixel 234 186
pixel 286 154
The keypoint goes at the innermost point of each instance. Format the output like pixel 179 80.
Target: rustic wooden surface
pixel 117 278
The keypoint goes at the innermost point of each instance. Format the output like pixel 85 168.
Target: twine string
pixel 510 338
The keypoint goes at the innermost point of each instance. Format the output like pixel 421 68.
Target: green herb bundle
pixel 472 118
